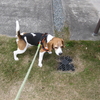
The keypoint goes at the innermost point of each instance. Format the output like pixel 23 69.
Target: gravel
pixel 58 15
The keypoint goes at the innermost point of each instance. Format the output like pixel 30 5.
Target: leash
pixel 28 72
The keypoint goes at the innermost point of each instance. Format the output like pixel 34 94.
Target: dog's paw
pixel 40 65
pixel 16 59
pixel 50 52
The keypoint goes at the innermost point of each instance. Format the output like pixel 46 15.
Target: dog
pixel 48 43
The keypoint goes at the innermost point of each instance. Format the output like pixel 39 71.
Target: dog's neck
pixel 49 38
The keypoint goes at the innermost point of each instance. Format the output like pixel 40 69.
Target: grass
pixel 47 83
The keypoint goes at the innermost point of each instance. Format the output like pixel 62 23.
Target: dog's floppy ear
pixel 62 42
pixel 50 46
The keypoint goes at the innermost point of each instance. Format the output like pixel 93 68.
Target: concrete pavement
pixel 33 15
pixel 96 4
pixel 82 17
pixel 40 16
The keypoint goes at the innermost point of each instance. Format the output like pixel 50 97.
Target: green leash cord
pixel 28 72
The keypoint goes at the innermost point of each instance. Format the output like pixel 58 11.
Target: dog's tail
pixel 18 29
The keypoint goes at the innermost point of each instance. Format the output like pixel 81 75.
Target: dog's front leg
pixel 41 54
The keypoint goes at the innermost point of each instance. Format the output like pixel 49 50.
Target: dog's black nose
pixel 60 53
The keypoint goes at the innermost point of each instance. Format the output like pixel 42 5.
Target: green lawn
pixel 47 83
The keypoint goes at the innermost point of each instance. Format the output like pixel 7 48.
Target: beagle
pixel 25 40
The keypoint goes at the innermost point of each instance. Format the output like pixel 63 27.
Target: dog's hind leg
pixel 22 47
pixel 18 51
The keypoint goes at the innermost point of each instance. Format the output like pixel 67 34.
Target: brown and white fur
pixel 52 43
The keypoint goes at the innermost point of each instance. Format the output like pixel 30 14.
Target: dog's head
pixel 57 44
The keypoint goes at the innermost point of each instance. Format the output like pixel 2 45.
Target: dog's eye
pixel 56 47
